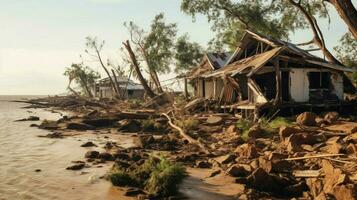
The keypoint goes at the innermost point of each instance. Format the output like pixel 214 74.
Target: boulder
pixel 79 126
pixel 277 165
pixel 255 132
pixel 143 141
pixel 226 159
pixel 78 166
pixel 88 144
pixel 133 192
pixel 100 122
pixel 106 156
pixel 247 151
pixel 49 125
pixel 351 149
pixel 239 170
pixel 307 119
pixel 287 131
pixel 92 154
pixel 215 173
pixel 130 126
pixel 203 164
pixel 214 120
pixel 331 117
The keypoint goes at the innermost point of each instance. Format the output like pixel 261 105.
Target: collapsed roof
pixel 254 51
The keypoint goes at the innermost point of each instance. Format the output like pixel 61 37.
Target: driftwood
pixel 184 135
pixel 316 156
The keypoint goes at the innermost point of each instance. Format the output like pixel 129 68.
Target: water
pixel 22 152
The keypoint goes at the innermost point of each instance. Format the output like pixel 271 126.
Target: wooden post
pixel 278 81
pixel 185 88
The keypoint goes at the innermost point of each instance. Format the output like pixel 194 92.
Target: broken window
pixel 319 80
pixel 319 87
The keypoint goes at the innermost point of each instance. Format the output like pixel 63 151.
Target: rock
pixel 88 144
pixel 276 165
pixel 129 126
pixel 78 166
pixel 255 132
pixel 34 125
pixel 232 129
pixel 106 156
pixel 295 190
pixel 79 126
pixel 187 157
pixel 261 180
pixel 331 117
pixel 351 149
pixel 133 192
pixel 143 141
pixel 321 122
pixel 215 173
pixel 247 151
pixel 226 159
pixel 33 118
pixel 287 131
pixel 92 154
pixel 100 122
pixel 307 119
pixel 203 164
pixel 38 170
pixel 122 156
pixel 344 192
pixel 333 176
pixel 53 135
pixel 239 170
pixel 49 125
pixel 214 120
pixel 315 186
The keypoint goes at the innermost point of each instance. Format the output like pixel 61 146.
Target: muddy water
pixel 22 152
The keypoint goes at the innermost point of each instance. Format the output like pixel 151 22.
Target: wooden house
pixel 263 73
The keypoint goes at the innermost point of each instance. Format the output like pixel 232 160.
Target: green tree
pixel 275 18
pixel 84 76
pixel 347 53
pixel 187 54
pixel 154 47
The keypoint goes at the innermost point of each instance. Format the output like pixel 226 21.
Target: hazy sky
pixel 39 38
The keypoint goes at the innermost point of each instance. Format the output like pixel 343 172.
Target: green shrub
pixel 122 179
pixel 157 176
pixel 150 125
pixel 164 180
pixel 279 121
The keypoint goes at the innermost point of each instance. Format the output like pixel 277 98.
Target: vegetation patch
pixel 156 176
pixel 189 124
pixel 150 125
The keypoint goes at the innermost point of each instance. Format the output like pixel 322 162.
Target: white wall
pixel 299 84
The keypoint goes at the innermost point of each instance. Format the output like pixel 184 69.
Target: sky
pixel 39 38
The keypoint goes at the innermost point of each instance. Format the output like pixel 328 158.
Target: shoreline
pixel 220 179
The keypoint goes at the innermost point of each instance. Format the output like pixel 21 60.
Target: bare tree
pixel 96 47
pixel 136 66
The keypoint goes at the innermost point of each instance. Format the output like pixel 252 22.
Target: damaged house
pixel 128 88
pixel 264 73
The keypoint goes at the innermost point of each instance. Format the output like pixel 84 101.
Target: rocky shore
pixel 308 156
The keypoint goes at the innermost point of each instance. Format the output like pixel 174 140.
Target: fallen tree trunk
pixel 184 135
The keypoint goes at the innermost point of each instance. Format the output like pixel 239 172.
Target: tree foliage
pixel 159 42
pixel 187 54
pixel 229 18
pixel 347 53
pixel 83 76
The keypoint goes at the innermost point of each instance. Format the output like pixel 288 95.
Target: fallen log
pixel 184 135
